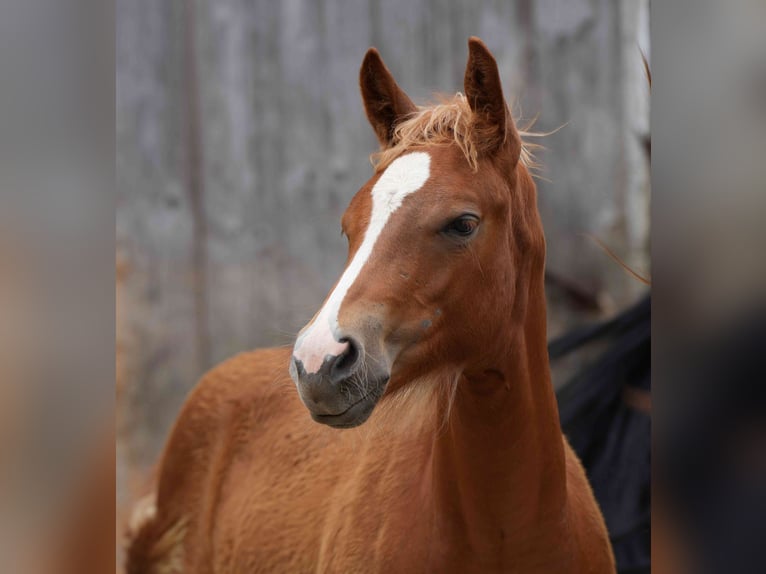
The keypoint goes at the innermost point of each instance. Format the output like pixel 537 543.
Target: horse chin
pixel 358 411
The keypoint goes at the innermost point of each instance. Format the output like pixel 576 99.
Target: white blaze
pixel 403 177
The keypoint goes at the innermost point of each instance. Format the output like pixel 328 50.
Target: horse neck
pixel 501 455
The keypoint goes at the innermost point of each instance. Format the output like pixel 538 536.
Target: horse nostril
pixel 297 367
pixel 344 364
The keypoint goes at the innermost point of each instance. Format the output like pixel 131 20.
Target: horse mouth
pixel 356 413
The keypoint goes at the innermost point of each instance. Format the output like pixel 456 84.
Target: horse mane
pixel 448 121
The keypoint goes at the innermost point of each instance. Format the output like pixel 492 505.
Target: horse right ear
pixel 385 102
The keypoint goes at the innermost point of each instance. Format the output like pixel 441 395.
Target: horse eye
pixel 463 226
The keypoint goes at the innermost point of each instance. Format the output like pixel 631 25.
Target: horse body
pixel 430 355
pixel 259 487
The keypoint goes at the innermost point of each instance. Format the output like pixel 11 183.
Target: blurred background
pixel 241 139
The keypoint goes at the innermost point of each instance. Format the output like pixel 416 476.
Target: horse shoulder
pixel 196 459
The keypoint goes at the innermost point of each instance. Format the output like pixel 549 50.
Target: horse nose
pixel 343 365
pixel 334 368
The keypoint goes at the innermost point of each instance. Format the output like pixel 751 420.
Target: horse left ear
pixel 484 92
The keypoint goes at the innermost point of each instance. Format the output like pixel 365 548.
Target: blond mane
pixel 449 121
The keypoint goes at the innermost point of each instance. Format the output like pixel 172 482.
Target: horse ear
pixel 385 102
pixel 484 93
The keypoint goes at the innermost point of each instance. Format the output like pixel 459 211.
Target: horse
pixel 424 433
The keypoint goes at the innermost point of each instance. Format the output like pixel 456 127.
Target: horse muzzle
pixel 343 392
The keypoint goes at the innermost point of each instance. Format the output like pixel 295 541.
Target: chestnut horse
pixel 435 335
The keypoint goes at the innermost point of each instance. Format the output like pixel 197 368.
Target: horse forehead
pixel 446 176
pixel 406 175
pixel 384 192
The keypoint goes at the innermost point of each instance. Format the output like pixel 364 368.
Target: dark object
pixel 710 442
pixel 604 412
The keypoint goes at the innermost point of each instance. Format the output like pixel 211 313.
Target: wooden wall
pixel 241 138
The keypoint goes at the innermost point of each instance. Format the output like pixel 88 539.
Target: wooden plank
pixel 154 224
